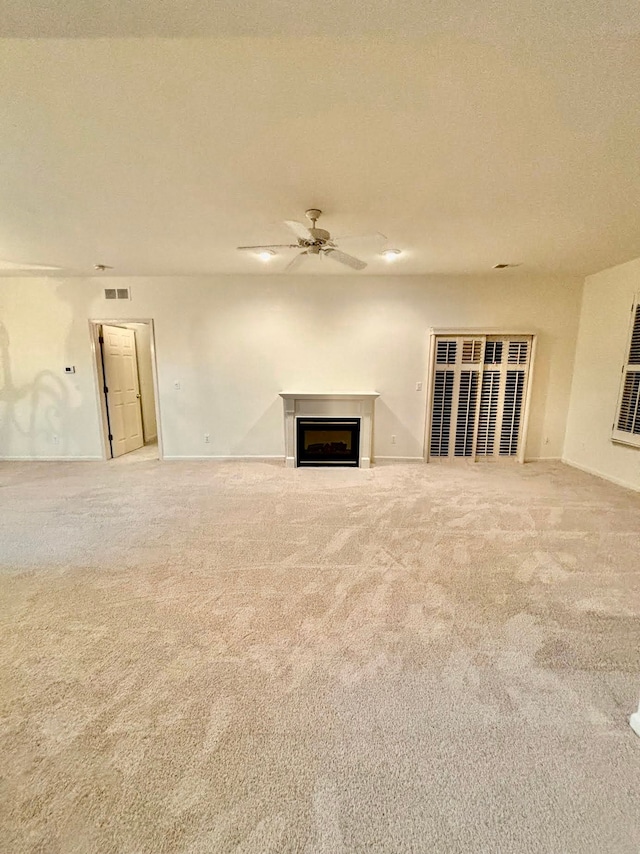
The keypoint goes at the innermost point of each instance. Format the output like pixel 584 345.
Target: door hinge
pixel 105 390
pixel 100 339
pixel 110 437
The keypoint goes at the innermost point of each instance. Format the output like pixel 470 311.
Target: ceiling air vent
pixel 117 293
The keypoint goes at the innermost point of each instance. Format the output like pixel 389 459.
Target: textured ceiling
pixel 157 138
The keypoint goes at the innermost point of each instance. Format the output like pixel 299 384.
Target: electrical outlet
pixel 418 386
pixel 54 439
pixel 393 440
pixel 206 438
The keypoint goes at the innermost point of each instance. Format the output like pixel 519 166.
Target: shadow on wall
pixel 46 401
pixel 270 423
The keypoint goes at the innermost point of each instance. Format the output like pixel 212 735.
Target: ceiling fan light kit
pixel 391 254
pixel 311 240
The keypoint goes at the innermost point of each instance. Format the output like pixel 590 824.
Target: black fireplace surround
pixel 328 441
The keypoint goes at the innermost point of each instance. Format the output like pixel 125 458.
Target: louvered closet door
pixel 456 382
pixel 479 386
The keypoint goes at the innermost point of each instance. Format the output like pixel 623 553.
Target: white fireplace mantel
pixel 342 404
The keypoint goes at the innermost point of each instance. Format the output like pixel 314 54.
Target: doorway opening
pixel 126 381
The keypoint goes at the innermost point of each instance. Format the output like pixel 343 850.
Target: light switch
pixel 70 369
pixel 418 386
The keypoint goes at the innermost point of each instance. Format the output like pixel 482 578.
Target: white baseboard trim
pixel 255 458
pixel 543 459
pixel 617 480
pixel 398 459
pixel 51 459
pixel 634 722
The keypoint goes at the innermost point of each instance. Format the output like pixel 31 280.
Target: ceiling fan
pixel 314 241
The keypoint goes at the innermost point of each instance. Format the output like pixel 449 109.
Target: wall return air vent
pixel 117 293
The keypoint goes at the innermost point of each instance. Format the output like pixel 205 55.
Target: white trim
pixel 524 422
pixel 61 459
pixel 216 458
pixel 543 460
pixel 429 409
pixel 479 331
pixel 634 722
pixel 401 459
pixel 617 480
pixel 98 384
pixel 338 395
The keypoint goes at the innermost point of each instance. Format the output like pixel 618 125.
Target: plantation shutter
pixel 626 428
pixel 478 396
pixel 442 398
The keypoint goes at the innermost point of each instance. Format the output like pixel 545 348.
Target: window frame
pixel 480 332
pixel 618 436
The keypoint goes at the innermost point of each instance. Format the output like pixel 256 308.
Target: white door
pixel 122 389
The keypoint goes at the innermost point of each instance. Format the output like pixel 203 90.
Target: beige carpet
pixel 243 658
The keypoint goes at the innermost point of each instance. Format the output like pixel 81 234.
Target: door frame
pixel 94 325
pixel 471 332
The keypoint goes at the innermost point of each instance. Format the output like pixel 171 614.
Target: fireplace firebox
pixel 328 441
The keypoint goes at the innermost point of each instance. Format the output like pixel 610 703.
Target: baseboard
pixel 617 480
pixel 543 460
pixel 51 459
pixel 255 458
pixel 398 459
pixel 150 440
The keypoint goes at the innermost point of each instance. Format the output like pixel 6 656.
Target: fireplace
pixel 328 441
pixel 323 408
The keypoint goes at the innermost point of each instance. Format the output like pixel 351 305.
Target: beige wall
pixel 234 342
pixel 600 354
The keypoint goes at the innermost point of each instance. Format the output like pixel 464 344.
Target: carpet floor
pixel 238 657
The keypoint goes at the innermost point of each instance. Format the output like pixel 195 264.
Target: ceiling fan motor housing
pixel 320 235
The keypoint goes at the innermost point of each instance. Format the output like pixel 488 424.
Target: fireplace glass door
pixel 328 441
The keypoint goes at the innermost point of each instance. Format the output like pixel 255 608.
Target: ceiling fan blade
pixel 15 265
pixel 299 229
pixel 269 246
pixel 295 262
pixel 343 258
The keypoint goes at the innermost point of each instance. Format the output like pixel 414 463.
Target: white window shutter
pixel 626 428
pixel 478 396
pixel 441 413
